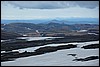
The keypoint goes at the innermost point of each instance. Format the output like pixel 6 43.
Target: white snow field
pixel 36 38
pixel 58 58
pixel 79 44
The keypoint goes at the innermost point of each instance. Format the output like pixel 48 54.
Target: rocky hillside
pixel 8 35
pixel 50 27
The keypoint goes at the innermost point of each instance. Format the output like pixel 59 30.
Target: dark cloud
pixel 88 4
pixel 54 4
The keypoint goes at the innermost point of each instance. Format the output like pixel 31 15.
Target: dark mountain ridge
pixel 50 27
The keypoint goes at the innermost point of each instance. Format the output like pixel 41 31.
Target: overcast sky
pixel 49 9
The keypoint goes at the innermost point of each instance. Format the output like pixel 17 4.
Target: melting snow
pixel 58 58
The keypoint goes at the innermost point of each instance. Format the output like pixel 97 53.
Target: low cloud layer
pixel 53 4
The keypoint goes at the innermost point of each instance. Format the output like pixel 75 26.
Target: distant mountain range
pixel 57 20
pixel 49 27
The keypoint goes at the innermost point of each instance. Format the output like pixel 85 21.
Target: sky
pixel 24 10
